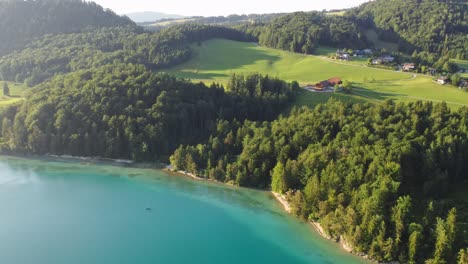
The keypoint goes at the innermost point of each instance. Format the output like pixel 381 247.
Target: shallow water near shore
pixel 65 212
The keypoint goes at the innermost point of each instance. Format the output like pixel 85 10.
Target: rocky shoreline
pixel 287 207
pixel 318 227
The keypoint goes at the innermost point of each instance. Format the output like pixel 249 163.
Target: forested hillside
pixel 437 28
pixel 379 176
pixel 230 20
pixel 303 32
pixel 22 21
pixel 434 26
pixel 65 53
pixel 125 111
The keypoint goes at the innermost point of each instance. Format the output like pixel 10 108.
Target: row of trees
pixel 378 176
pixel 125 111
pixel 6 89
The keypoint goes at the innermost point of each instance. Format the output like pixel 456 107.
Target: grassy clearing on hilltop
pixel 216 60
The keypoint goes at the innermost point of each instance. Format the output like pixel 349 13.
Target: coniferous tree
pixel 6 89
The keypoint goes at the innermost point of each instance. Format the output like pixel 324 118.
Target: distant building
pixel 342 55
pixel 321 86
pixel 443 80
pixel 383 60
pixel 377 61
pixel 345 57
pixel 335 80
pixel 387 59
pixel 359 53
pixel 327 84
pixel 408 67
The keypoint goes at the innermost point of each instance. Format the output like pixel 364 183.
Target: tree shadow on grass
pixel 238 56
pixel 225 60
pixel 376 95
pixel 199 76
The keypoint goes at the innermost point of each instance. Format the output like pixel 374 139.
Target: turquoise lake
pixel 66 212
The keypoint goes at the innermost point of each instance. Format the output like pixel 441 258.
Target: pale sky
pixel 215 8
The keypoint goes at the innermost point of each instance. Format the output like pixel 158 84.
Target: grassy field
pixel 17 92
pixel 462 64
pixel 337 13
pixel 216 60
pixel 311 100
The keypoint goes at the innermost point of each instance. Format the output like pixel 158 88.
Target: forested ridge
pixel 56 54
pixel 230 20
pixel 303 32
pixel 379 176
pixel 125 111
pixel 432 26
pixel 22 21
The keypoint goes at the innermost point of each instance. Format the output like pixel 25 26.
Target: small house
pixel 383 60
pixel 321 86
pixel 387 59
pixel 344 56
pixel 377 61
pixel 359 53
pixel 443 80
pixel 408 67
pixel 334 81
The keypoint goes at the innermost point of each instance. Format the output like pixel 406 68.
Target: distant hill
pixel 230 20
pixel 429 29
pixel 303 32
pixel 433 26
pixel 22 21
pixel 148 16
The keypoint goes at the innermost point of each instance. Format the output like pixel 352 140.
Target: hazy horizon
pixel 214 8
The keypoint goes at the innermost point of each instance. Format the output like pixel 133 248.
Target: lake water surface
pixel 65 212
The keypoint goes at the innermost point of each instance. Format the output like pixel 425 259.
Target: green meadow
pixel 17 92
pixel 216 60
pixel 462 64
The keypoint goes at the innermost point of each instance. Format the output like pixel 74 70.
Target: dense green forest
pixel 125 111
pixel 377 175
pixel 230 20
pixel 432 26
pixel 55 54
pixel 303 32
pixel 22 21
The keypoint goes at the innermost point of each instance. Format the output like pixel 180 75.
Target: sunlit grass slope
pixel 17 92
pixel 216 60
